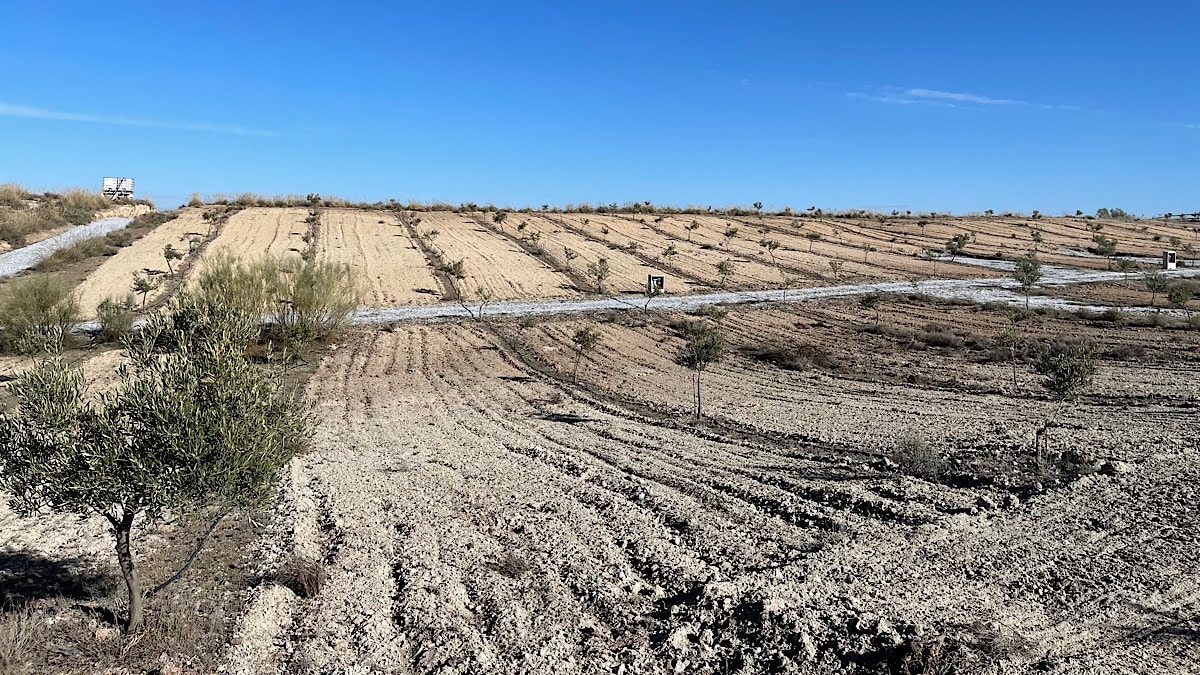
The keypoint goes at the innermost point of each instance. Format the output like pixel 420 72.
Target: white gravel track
pixel 28 256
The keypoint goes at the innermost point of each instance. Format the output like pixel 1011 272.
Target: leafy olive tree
pixel 1067 372
pixel 1107 247
pixel 957 244
pixel 192 424
pixel 1179 294
pixel 704 345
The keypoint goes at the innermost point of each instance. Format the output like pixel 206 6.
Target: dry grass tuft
pixel 302 576
pixel 17 639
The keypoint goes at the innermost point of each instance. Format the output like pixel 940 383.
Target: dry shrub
pixel 16 225
pixel 804 357
pixel 13 195
pixel 939 336
pixel 302 576
pixel 962 649
pixel 81 250
pixel 78 206
pixel 1125 352
pixel 152 219
pixel 916 457
pixel 303 300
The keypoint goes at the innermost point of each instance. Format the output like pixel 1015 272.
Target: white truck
pixel 118 188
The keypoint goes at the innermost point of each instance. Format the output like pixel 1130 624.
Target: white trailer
pixel 118 188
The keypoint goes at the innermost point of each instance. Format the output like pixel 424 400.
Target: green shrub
pixel 302 300
pixel 37 314
pixel 226 281
pixel 1067 369
pixel 313 300
pixel 115 318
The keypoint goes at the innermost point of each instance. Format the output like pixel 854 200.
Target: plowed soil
pixel 492 261
pixel 115 277
pixel 477 511
pixel 254 232
pixel 374 242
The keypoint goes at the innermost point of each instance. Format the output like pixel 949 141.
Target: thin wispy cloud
pixel 935 95
pixel 953 99
pixel 14 110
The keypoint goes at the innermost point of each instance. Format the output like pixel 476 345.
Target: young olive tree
pixel 192 424
pixel 1011 339
pixel 725 270
pixel 144 286
pixel 585 340
pixel 599 271
pixel 871 302
pixel 171 255
pixel 1027 272
pixel 771 245
pixel 835 266
pixel 1125 266
pixel 704 345
pixel 1155 282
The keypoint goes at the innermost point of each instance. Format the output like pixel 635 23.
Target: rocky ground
pixel 473 510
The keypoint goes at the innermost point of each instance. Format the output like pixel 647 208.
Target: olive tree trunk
pixel 133 583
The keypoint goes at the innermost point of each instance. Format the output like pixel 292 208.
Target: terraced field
pixel 145 257
pixel 374 242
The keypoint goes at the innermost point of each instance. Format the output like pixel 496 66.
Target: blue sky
pixel 1015 105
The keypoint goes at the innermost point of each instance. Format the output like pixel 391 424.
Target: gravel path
pixel 29 256
pixel 979 290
